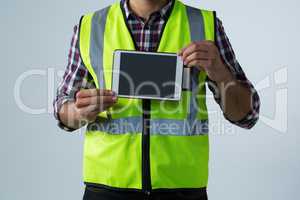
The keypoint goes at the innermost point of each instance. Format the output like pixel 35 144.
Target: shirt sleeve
pixel 229 58
pixel 75 77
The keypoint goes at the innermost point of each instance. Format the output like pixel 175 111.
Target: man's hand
pixel 206 55
pixel 89 103
pixel 235 97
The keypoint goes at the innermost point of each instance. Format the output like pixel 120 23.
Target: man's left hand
pixel 205 55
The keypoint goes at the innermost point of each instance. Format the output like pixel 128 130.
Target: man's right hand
pixel 89 103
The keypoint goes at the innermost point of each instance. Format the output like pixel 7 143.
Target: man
pixel 147 163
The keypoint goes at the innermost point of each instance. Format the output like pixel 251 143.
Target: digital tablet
pixel 146 75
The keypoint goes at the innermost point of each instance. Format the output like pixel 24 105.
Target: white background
pixel 39 161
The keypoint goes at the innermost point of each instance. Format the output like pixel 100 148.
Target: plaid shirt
pixel 146 36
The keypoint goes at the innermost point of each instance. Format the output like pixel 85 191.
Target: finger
pixel 102 107
pixel 198 55
pixel 96 100
pixel 92 116
pixel 209 42
pixel 93 92
pixel 83 102
pixel 85 111
pixel 193 48
pixel 199 63
pixel 106 100
pixel 205 42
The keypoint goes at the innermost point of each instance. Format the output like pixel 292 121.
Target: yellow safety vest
pixel 121 151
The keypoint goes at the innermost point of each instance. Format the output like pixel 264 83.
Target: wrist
pixel 226 76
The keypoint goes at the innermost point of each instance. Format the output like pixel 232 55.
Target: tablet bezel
pixel 116 75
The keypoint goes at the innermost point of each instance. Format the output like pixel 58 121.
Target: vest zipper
pixel 146 178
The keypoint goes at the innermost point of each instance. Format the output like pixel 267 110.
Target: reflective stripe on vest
pixel 97 40
pixel 133 125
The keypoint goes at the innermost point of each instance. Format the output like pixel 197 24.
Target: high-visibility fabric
pixel 179 144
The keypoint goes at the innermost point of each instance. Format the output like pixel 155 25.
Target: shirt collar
pixel 163 11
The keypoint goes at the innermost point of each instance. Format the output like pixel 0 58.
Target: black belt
pixel 99 192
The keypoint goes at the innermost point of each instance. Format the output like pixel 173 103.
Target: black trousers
pixel 97 193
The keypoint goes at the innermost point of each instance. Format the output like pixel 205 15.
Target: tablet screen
pixel 147 75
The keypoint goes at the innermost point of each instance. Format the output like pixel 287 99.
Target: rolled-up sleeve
pixel 75 77
pixel 229 58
